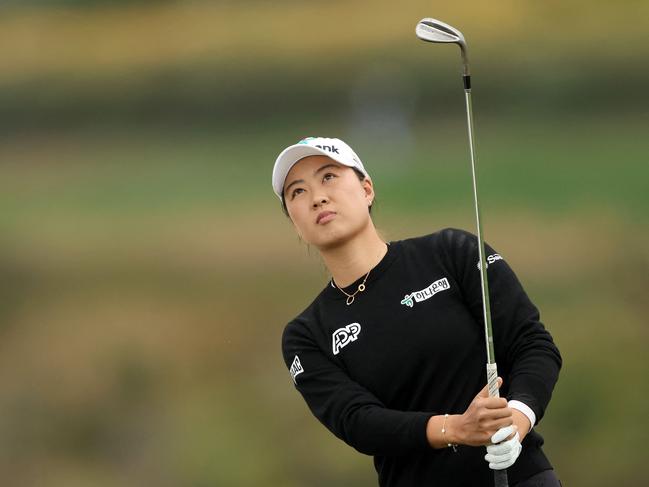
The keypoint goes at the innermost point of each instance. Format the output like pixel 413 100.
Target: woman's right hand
pixel 484 416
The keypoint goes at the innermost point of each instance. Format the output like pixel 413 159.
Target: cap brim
pixel 289 156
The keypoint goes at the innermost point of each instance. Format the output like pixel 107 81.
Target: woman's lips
pixel 325 216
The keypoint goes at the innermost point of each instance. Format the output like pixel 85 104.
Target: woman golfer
pixel 390 356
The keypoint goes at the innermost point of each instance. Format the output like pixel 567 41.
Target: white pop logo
pixel 343 336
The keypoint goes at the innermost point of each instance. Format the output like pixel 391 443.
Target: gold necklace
pixel 361 288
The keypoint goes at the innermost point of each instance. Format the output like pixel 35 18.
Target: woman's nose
pixel 319 201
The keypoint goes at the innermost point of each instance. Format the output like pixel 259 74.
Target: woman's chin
pixel 334 234
pixel 329 238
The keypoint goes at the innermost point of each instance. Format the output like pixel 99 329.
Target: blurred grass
pixel 123 176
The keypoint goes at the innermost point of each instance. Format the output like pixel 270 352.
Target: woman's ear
pixel 368 187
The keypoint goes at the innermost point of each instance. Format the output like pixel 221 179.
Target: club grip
pixel 500 478
pixel 492 380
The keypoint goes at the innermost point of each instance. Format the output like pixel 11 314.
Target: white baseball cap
pixel 336 149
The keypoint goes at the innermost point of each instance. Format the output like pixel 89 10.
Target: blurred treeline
pixel 223 62
pixel 146 270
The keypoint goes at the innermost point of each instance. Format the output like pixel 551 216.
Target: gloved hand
pixel 503 455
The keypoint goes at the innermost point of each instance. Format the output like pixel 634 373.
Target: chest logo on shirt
pixel 428 292
pixel 344 336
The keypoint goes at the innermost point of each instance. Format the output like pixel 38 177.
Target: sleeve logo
pixel 296 369
pixel 344 336
pixel 428 292
pixel 490 260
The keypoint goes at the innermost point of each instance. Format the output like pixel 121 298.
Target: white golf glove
pixel 503 455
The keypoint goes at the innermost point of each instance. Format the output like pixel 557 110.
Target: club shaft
pixel 484 284
pixel 500 476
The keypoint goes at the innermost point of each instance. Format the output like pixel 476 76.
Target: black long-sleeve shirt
pixel 412 345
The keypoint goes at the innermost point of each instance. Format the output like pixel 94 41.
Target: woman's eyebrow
pixel 291 184
pixel 325 167
pixel 314 173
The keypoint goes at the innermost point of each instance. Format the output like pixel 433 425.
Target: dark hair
pixel 361 177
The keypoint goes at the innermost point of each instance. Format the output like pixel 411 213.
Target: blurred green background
pixel 148 272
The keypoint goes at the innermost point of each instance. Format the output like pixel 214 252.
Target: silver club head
pixel 432 30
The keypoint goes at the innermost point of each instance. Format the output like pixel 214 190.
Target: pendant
pixel 350 300
pixel 361 288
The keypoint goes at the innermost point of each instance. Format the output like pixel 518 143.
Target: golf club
pixel 431 30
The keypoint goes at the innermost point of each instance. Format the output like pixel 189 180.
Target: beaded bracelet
pixel 449 445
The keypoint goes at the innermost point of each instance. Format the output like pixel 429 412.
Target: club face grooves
pixel 438 26
pixel 433 30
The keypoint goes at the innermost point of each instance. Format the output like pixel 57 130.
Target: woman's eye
pixel 327 176
pixel 295 192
